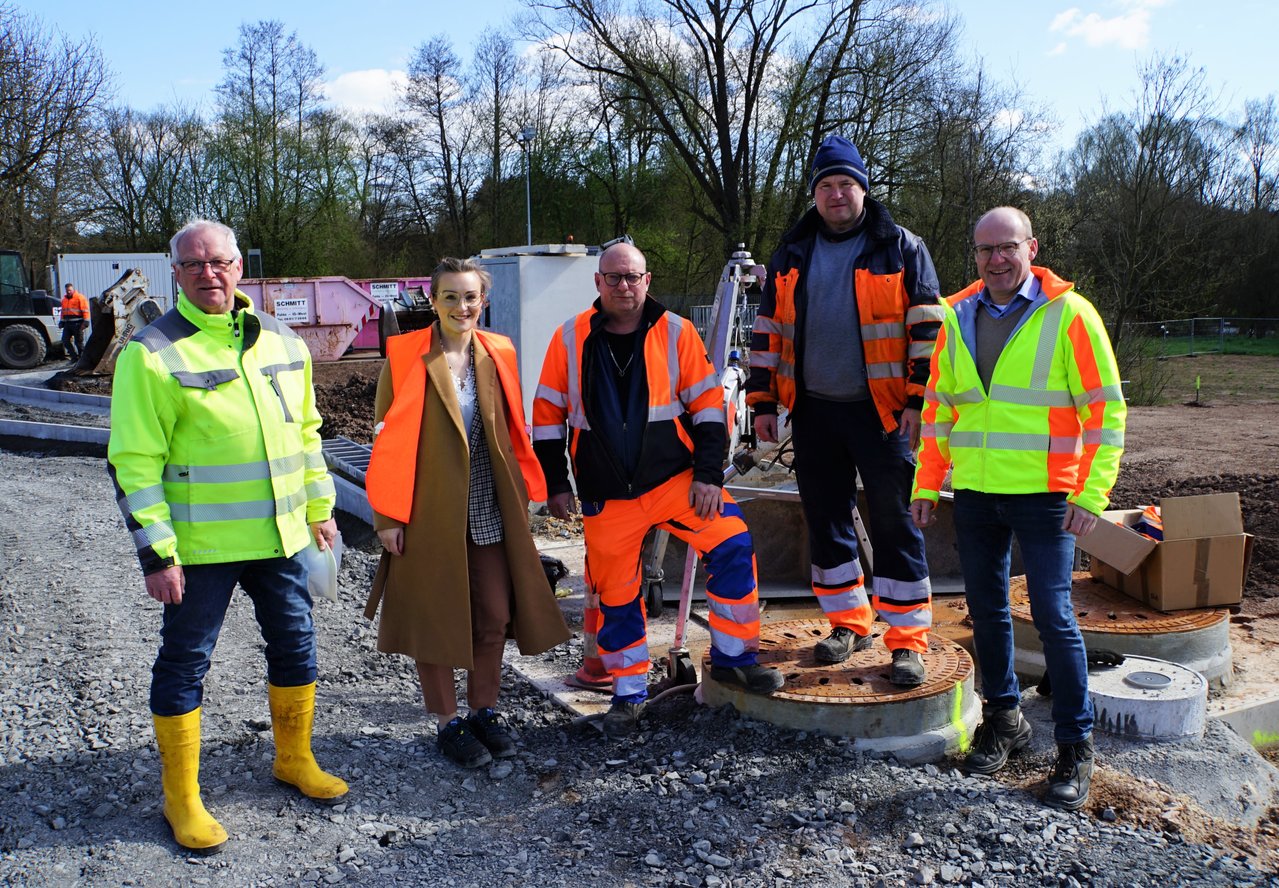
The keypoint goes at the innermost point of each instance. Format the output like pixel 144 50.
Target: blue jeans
pixel 281 603
pixel 984 527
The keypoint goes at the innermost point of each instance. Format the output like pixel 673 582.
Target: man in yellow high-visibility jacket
pixel 1024 404
pixel 215 455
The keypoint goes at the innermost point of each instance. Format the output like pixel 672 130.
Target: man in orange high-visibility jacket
pixel 845 328
pixel 75 317
pixel 1025 408
pixel 627 386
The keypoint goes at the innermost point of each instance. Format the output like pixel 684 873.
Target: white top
pixel 465 388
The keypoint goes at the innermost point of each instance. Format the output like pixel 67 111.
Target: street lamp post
pixel 525 138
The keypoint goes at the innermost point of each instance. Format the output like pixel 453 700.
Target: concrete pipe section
pixel 1111 621
pixel 1148 699
pixel 855 698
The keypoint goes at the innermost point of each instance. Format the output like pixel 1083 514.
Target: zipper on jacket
pixel 288 417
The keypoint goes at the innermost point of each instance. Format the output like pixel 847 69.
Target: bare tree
pixel 445 128
pixel 495 74
pixel 703 70
pixel 1260 136
pixel 50 92
pixel 280 157
pixel 142 169
pixel 1148 184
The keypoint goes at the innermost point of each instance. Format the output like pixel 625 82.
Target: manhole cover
pixel 1099 608
pixel 1148 680
pixel 863 677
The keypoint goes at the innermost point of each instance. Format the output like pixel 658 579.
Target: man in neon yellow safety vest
pixel 1023 404
pixel 215 455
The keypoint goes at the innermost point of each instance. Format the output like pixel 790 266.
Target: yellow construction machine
pixel 123 309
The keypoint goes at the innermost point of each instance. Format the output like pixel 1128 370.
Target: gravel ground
pixel 702 797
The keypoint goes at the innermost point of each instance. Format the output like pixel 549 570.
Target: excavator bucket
pixel 123 309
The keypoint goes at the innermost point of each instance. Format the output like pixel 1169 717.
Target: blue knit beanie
pixel 837 155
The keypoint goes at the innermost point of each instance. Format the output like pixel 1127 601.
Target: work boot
pixel 485 724
pixel 1071 776
pixel 1001 733
pixel 754 678
pixel 908 668
pixel 458 742
pixel 178 737
pixel 292 715
pixel 841 642
pixel 623 718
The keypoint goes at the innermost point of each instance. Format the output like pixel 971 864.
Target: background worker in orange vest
pixel 75 317
pixel 1025 408
pixel 449 481
pixel 845 329
pixel 628 387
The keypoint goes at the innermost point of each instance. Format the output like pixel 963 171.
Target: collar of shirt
pixel 1028 291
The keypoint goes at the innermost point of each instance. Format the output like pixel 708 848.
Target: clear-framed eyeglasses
pixel 453 300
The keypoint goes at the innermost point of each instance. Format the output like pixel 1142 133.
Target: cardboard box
pixel 1201 562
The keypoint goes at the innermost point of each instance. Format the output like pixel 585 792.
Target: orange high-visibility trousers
pixel 615 531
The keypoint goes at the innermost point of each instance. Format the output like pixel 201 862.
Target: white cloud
pixel 1059 49
pixel 1130 29
pixel 372 91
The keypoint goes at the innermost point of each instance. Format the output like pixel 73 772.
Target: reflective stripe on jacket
pixel 215 443
pixel 1053 420
pixel 393 466
pixel 684 408
pixel 75 307
pixel 898 308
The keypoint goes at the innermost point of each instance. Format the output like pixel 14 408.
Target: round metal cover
pixel 1148 680
pixel 1099 608
pixel 863 677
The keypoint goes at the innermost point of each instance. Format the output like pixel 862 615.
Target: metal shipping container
pixel 92 273
pixel 535 290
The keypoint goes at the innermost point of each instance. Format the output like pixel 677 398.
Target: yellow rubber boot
pixel 178 737
pixel 292 713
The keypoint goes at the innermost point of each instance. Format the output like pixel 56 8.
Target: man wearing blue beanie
pixel 843 339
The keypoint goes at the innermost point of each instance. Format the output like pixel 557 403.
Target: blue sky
pixel 1074 58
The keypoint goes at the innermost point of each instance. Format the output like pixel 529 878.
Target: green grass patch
pixel 1238 345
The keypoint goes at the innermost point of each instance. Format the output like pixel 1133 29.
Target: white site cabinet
pixel 93 273
pixel 535 290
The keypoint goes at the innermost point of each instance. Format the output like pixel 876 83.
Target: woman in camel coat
pixel 450 480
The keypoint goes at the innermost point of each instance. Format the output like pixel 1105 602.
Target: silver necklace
pixel 621 371
pixel 462 381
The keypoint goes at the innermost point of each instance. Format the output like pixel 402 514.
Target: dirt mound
pixel 347 408
pixel 1258 499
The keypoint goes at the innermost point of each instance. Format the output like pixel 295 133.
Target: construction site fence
pixel 1167 338
pixel 1204 336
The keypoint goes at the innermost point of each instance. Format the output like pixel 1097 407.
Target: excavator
pixel 123 309
pixel 29 330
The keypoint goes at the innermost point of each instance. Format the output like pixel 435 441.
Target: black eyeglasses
pixel 1007 250
pixel 613 278
pixel 195 266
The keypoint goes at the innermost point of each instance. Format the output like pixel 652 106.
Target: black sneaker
pixel 622 718
pixel 756 679
pixel 457 741
pixel 485 724
pixel 840 644
pixel 1071 776
pixel 908 668
pixel 1001 733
